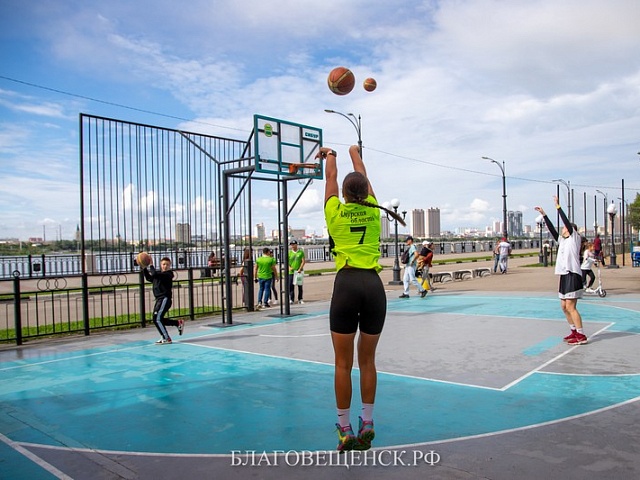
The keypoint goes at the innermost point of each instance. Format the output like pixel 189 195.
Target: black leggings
pixel 358 301
pixel 592 278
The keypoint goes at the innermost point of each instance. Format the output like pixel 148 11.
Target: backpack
pixel 404 259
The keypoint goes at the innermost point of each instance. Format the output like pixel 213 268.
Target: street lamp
pixel 504 195
pixel 604 214
pixel 540 222
pixel 395 203
pixel 612 211
pixel 355 121
pixel 568 185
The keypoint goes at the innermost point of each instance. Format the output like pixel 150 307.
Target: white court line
pixel 549 362
pixel 386 447
pixel 34 458
pixel 297 336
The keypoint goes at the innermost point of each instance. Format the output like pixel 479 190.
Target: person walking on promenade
pixel 296 270
pixel 410 271
pixel 597 249
pixel 274 279
pixel 245 268
pixel 568 268
pixel 162 281
pixel 424 263
pixel 496 256
pixel 358 301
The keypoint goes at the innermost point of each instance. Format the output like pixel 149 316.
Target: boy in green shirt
pixel 264 271
pixel 296 266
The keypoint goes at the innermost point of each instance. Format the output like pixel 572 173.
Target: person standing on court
pixel 504 248
pixel 296 270
pixel 410 271
pixel 358 302
pixel 568 268
pixel 264 272
pixel 162 281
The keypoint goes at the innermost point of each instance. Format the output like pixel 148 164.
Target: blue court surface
pixel 482 383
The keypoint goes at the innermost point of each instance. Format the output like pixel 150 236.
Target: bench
pixel 442 277
pixel 462 274
pixel 207 272
pixel 482 272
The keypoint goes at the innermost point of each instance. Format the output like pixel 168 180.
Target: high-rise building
pixel 433 223
pixel 183 233
pixel 417 223
pixel 514 220
pixel 260 232
pixel 385 226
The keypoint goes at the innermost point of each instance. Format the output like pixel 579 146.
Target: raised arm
pixel 358 165
pixel 331 172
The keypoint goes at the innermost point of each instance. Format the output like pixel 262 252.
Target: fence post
pixel 192 313
pixel 143 312
pixel 17 313
pixel 85 303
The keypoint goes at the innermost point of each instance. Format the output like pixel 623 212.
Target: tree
pixel 633 216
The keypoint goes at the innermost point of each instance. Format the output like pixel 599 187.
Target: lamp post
pixel 355 121
pixel 568 185
pixel 395 203
pixel 612 211
pixel 540 222
pixel 604 215
pixel 504 195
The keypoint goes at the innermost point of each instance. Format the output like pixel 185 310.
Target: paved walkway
pixel 474 382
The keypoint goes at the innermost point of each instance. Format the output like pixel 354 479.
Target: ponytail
pixel 391 213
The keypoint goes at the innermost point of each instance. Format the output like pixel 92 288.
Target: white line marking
pixel 34 458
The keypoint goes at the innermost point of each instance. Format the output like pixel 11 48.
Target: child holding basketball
pixel 359 301
pixel 162 290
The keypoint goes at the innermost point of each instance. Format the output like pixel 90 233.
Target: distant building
pixel 433 223
pixel 385 227
pixel 514 220
pixel 417 223
pixel 183 233
pixel 260 234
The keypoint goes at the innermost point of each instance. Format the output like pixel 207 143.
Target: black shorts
pixel 358 301
pixel 571 286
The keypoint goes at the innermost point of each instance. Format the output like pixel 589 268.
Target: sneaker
pixel 366 434
pixel 423 293
pixel 180 327
pixel 570 336
pixel 163 341
pixel 578 339
pixel 301 302
pixel 404 295
pixel 259 306
pixel 589 290
pixel 266 305
pixel 274 301
pixel 346 439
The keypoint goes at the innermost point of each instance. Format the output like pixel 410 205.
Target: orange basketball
pixel 143 259
pixel 341 80
pixel 370 84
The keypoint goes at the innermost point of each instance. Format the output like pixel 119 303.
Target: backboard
pixel 287 149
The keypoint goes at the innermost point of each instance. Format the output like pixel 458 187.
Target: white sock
pixel 367 412
pixel 580 331
pixel 573 327
pixel 344 415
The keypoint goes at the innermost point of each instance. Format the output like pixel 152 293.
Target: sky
pixel 551 88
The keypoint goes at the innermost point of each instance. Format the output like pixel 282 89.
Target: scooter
pixel 598 290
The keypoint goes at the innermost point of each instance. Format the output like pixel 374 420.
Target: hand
pixel 540 210
pixel 555 200
pixel 255 280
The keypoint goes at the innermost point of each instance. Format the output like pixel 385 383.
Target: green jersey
pixel 355 231
pixel 264 263
pixel 295 260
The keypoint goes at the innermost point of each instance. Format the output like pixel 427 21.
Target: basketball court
pixel 470 385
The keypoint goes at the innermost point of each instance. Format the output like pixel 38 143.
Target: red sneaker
pixel 570 336
pixel 578 339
